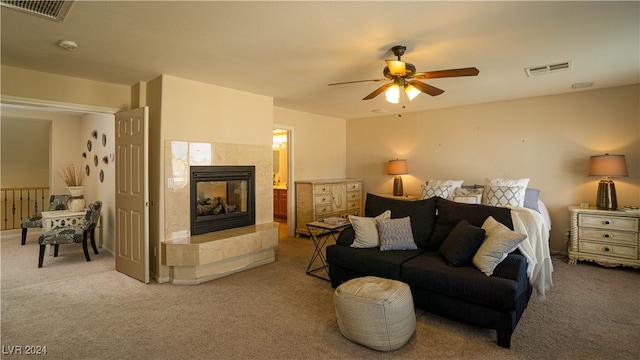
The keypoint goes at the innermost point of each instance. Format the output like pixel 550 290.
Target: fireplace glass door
pixel 222 197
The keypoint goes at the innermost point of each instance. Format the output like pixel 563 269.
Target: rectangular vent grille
pixel 547 69
pixel 52 10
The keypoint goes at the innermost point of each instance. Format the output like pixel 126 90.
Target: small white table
pixel 61 218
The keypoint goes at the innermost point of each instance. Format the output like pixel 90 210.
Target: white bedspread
pixel 535 247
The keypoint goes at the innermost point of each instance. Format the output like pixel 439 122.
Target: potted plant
pixel 73 176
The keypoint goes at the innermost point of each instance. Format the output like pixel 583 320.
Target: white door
pixel 132 194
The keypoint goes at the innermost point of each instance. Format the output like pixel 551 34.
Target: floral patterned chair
pixel 73 234
pixel 56 202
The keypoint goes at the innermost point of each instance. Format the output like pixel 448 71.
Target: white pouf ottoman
pixel 375 312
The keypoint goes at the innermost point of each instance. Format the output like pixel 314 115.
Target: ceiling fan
pixel 404 75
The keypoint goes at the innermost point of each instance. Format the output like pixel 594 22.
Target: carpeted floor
pixel 87 310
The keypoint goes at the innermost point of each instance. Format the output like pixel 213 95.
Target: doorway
pixel 281 177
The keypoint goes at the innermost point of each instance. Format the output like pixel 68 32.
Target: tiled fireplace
pixel 205 254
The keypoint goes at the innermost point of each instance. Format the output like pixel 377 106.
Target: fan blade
pixel 396 67
pixel 471 71
pixel 427 89
pixel 378 91
pixel 357 81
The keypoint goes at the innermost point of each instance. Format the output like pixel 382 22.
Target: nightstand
pixel 607 237
pixel 403 197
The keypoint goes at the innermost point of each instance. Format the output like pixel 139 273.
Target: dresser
pixel 320 199
pixel 609 238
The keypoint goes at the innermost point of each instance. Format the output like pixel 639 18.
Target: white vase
pixel 76 201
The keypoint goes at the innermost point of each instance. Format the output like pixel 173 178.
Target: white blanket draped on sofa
pixel 535 247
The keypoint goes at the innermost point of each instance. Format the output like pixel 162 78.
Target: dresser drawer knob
pixel 606 235
pixel 606 249
pixel 606 222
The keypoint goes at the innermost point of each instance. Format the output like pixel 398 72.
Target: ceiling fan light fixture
pixel 396 67
pixel 411 91
pixel 393 94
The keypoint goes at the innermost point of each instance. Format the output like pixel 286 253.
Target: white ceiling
pixel 291 50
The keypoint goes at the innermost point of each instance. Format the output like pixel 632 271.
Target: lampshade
pixel 608 165
pixel 411 91
pixel 397 67
pixel 398 167
pixel 393 94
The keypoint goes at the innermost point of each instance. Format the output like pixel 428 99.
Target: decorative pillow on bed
pixel 443 191
pixel 470 195
pixel 489 182
pixel 461 243
pixel 503 196
pixel 531 197
pixel 366 230
pixel 454 184
pixel 396 234
pixel 499 242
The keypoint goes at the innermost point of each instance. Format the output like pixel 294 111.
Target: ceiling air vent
pixel 52 10
pixel 547 69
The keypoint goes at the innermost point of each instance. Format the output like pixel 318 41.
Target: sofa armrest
pixel 346 237
pixel 513 267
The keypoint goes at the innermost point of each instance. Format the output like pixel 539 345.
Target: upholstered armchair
pixel 73 234
pixel 56 202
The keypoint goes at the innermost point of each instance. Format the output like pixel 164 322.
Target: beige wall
pixel 319 144
pixel 24 154
pixel 104 191
pixel 22 83
pixel 64 146
pixel 547 139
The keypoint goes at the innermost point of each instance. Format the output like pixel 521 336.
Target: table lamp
pixel 397 168
pixel 607 165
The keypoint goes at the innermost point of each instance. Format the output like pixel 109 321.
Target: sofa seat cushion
pixel 386 264
pixel 421 212
pixel 431 273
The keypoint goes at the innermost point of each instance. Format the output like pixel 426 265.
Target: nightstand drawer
pixel 627 252
pixel 623 237
pixel 608 222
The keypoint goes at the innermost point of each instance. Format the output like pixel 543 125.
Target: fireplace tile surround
pixel 224 252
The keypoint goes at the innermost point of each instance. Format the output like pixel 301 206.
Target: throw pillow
pixel 500 241
pixel 366 230
pixel 468 195
pixel 453 183
pixel 461 244
pixel 523 183
pixel 444 191
pixel 395 234
pixel 531 197
pixel 503 196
